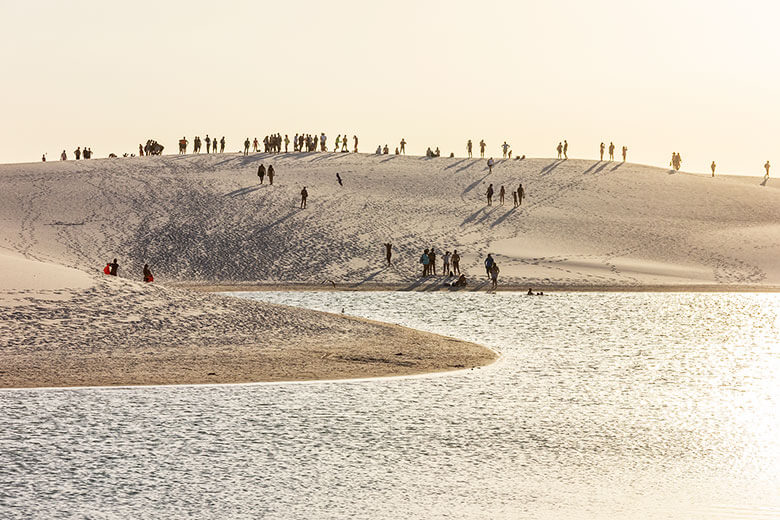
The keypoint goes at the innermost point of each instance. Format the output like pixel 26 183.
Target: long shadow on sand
pixel 242 191
pixel 474 185
pixel 479 216
pixel 550 167
pixel 503 217
pixel 453 165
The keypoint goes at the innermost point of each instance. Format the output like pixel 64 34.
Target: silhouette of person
pixel 611 151
pixel 403 146
pixel 712 167
pixel 565 149
pixel 388 252
pixel 625 151
pixel 114 268
pixel 489 194
pixel 488 264
pixel 356 142
pixel 501 193
pixel 520 195
pixel 246 146
pixel 455 262
pixel 468 148
pixel 766 167
pixel 271 173
pixel 514 198
pixel 560 151
pixel 482 148
pixel 490 165
pixel 261 172
pixel 304 196
pixel 505 148
pixel 601 152
pixel 148 277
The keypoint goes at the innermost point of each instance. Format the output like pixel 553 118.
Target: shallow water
pixel 603 406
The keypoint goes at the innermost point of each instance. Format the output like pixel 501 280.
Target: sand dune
pixel 206 219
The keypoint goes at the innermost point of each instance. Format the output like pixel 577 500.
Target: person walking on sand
pixel 403 146
pixel 338 178
pixel 148 277
pixel 114 268
pixel 565 150
pixel 488 264
pixel 514 198
pixel 560 150
pixel 625 151
pixel 355 138
pixel 611 151
pixel 388 252
pixel 601 151
pixel 505 148
pixel 766 167
pixel 445 266
pixel 425 261
pixel 494 270
pixel 271 173
pixel 468 148
pixel 261 172
pixel 489 194
pixel 520 195
pixel 490 165
pixel 304 196
pixel 432 261
pixel 455 262
pixel 482 148
pixel 712 167
pixel 501 193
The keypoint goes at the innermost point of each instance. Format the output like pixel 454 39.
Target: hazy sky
pixel 701 78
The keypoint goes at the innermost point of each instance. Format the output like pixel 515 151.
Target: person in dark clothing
pixel 148 274
pixel 501 193
pixel 271 173
pixel 261 172
pixel 455 262
pixel 432 260
pixel 489 194
pixel 520 195
pixel 338 178
pixel 77 152
pixel 488 264
pixel 304 196
pixel 221 144
pixel 114 267
pixel 425 260
pixel 388 252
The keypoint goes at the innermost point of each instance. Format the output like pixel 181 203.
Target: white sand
pixel 206 220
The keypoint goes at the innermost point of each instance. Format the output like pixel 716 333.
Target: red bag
pixel 107 269
pixel 149 279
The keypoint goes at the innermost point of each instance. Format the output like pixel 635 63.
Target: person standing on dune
pixel 494 270
pixel 505 148
pixel 388 252
pixel 432 262
pixel 403 146
pixel 611 151
pixel 271 173
pixel 114 268
pixel 625 151
pixel 766 167
pixel 425 261
pixel 261 172
pixel 601 151
pixel 222 144
pixel 246 146
pixel 560 150
pixel 482 148
pixel 488 264
pixel 489 194
pixel 514 198
pixel 455 262
pixel 304 196
pixel 490 165
pixel 468 148
pixel 520 195
pixel 501 193
pixel 208 144
pixel 712 167
pixel 565 150
pixel 356 143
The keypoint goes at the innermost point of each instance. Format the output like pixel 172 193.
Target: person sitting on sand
pixel 148 274
pixel 460 282
pixel 530 292
pixel 114 268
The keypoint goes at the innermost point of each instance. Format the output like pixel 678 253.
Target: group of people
pixel 611 151
pixel 86 153
pixel 197 143
pixel 676 162
pixel 482 146
pixel 517 195
pixel 450 262
pixel 152 147
pixel 112 269
pixel 262 172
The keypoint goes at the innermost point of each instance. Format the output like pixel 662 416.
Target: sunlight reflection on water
pixel 604 406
